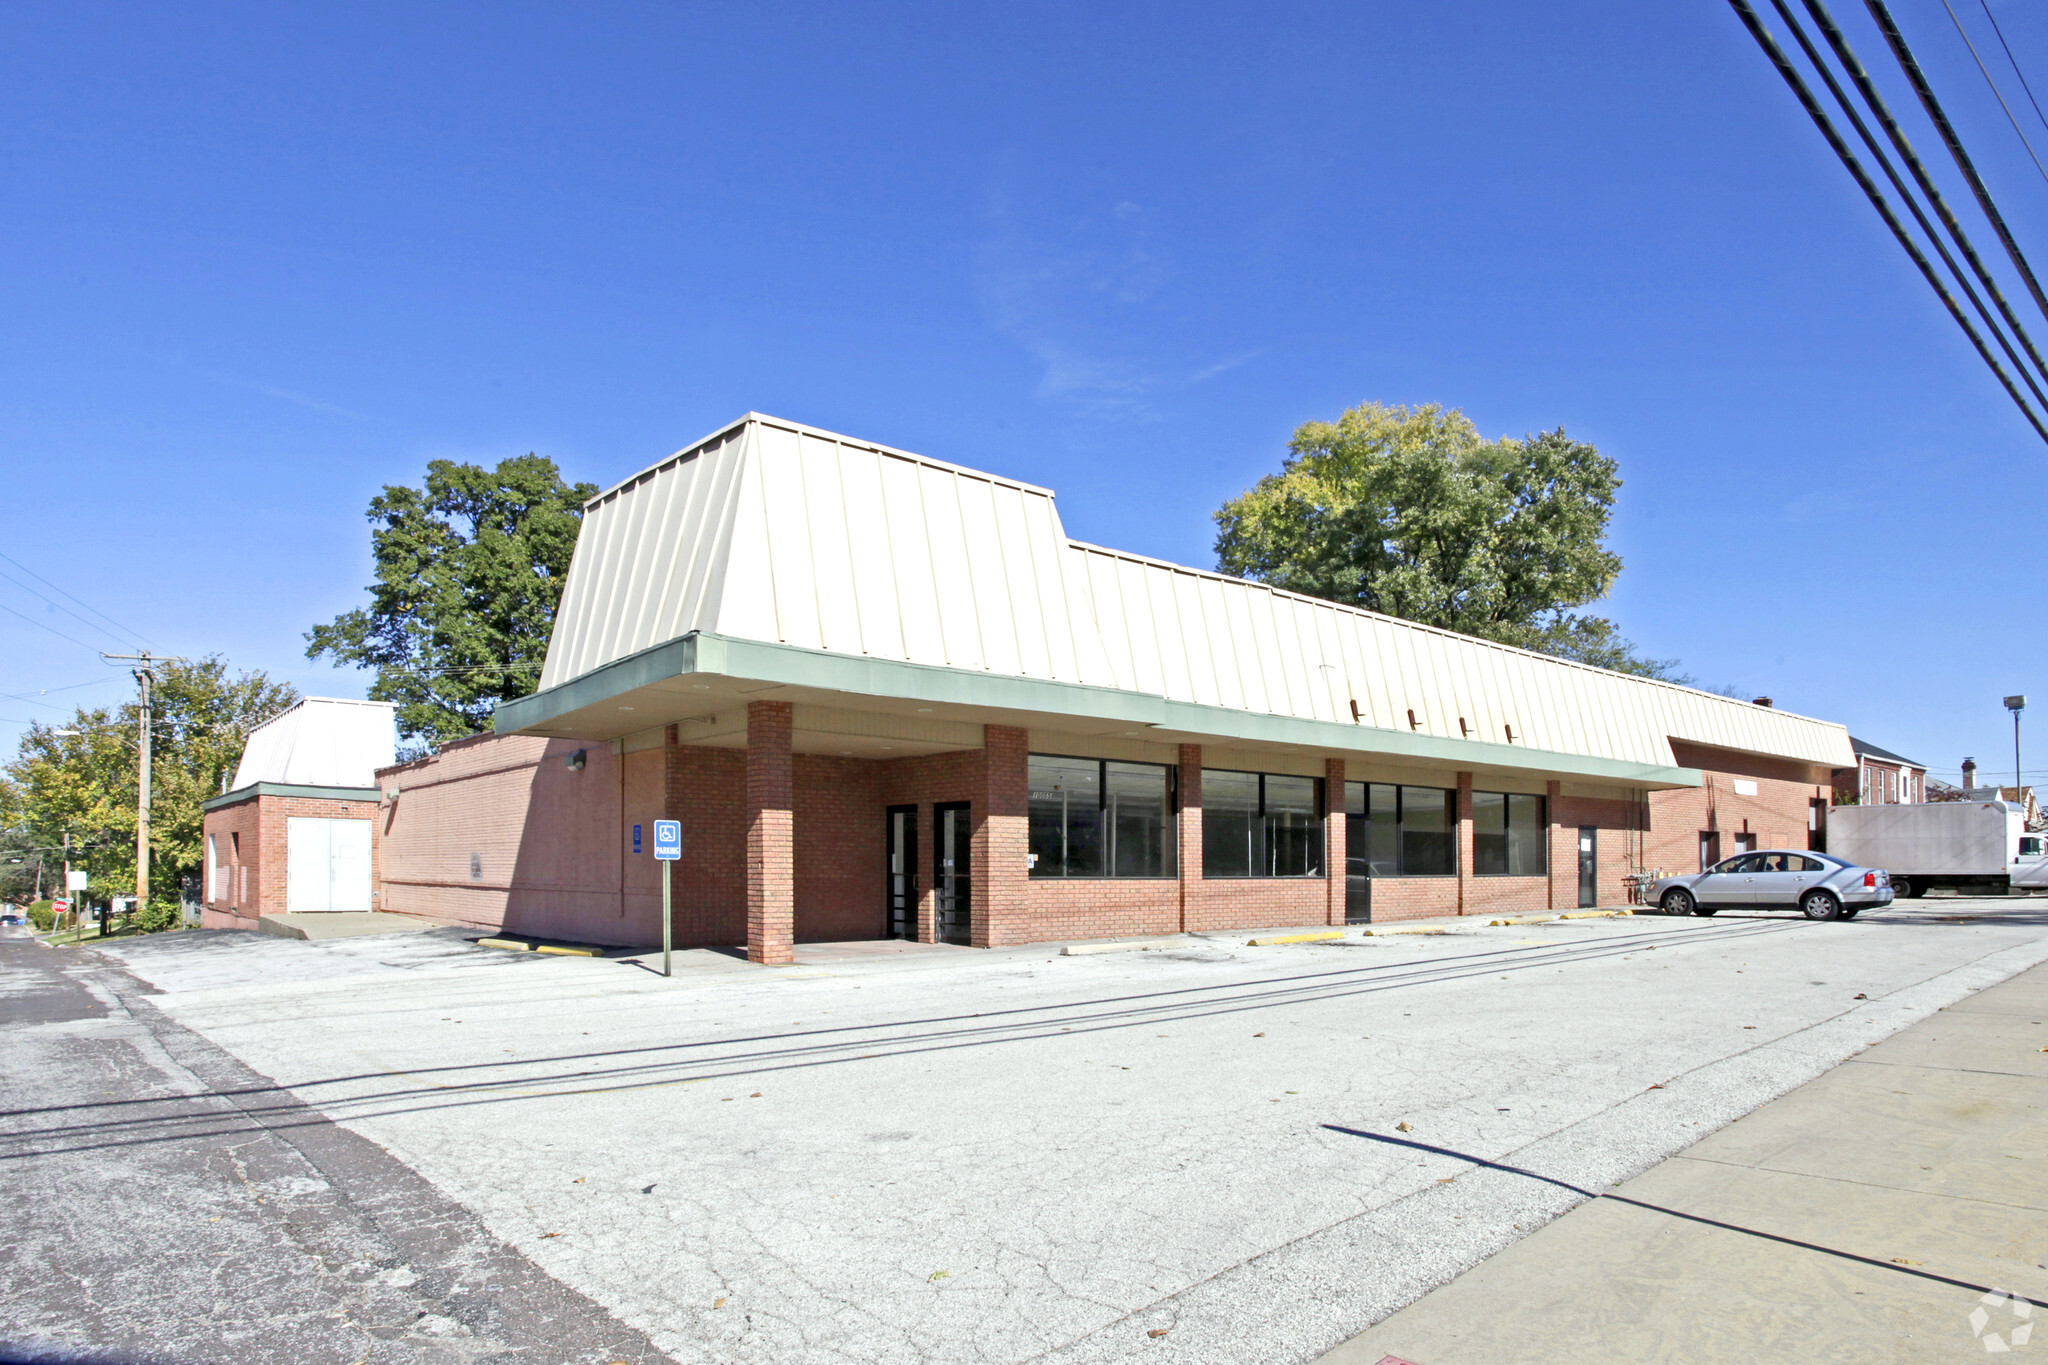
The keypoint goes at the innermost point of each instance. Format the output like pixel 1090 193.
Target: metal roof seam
pixel 1422 626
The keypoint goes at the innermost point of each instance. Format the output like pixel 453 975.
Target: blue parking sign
pixel 668 840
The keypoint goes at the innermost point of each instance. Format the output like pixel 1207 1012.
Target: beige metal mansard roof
pixel 841 572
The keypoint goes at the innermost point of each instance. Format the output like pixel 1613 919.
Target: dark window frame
pixel 1400 820
pixel 1171 824
pixel 1542 828
pixel 1260 817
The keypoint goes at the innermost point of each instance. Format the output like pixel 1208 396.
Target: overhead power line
pixel 1996 93
pixel 1804 94
pixel 45 626
pixel 1986 7
pixel 1882 111
pixel 1907 63
pixel 55 605
pixel 128 632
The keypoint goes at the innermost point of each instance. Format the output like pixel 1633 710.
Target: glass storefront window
pixel 1261 825
pixel 1094 818
pixel 1507 835
pixel 1409 831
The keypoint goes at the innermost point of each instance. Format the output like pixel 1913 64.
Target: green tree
pixel 84 784
pixel 469 572
pixel 1411 513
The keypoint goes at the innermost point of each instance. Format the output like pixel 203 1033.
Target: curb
pixel 1295 938
pixel 513 945
pixel 1085 949
pixel 1419 929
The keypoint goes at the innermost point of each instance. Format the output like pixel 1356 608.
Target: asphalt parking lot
pixel 1204 1153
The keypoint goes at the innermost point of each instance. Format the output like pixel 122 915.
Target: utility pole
pixel 145 678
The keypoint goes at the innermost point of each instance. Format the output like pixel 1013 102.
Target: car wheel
pixel 1678 902
pixel 1903 888
pixel 1821 905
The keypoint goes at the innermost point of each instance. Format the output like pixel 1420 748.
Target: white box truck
pixel 1978 848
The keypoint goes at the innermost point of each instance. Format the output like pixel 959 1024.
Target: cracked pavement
pixel 989 1156
pixel 163 1203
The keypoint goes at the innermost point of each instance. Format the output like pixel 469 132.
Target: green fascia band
pixel 757 661
pixel 256 789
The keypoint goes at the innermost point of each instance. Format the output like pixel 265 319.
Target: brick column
pixel 1188 836
pixel 1464 837
pixel 771 830
pixel 1000 908
pixel 1335 828
pixel 1551 845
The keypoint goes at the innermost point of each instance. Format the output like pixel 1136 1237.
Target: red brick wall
pixel 705 790
pixel 558 862
pixel 546 837
pixel 257 877
pixel 240 893
pixel 839 849
pixel 1777 815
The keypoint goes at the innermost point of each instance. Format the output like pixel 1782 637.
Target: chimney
pixel 1969 773
pixel 1761 701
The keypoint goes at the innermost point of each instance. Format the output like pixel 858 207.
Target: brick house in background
pixel 1880 777
pixel 294 832
pixel 887 696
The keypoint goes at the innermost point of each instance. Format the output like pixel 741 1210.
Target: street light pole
pixel 2016 705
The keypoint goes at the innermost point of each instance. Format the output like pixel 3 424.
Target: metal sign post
pixel 668 847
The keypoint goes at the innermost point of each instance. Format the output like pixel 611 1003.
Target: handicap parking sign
pixel 668 840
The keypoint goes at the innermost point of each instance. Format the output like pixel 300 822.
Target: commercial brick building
pixel 887 695
pixel 294 831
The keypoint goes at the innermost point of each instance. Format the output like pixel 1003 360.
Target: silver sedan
pixel 1821 886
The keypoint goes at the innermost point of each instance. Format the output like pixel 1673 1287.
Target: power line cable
pixel 1986 7
pixel 1911 66
pixel 129 631
pixel 59 606
pixel 52 629
pixel 1996 93
pixel 1776 54
pixel 1882 111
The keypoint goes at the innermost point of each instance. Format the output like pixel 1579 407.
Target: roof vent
pixel 1761 701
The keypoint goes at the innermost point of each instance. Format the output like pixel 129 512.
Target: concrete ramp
pixel 341 924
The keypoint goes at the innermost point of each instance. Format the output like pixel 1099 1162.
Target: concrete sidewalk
pixel 1862 1217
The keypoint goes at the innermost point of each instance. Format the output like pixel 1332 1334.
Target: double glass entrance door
pixel 952 879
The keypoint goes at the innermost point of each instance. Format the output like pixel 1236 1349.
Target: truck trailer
pixel 1976 848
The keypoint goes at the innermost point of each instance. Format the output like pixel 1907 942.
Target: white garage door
pixel 328 864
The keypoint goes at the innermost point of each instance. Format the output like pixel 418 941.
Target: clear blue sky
pixel 258 261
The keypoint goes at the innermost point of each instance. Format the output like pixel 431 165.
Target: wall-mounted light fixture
pixel 576 761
